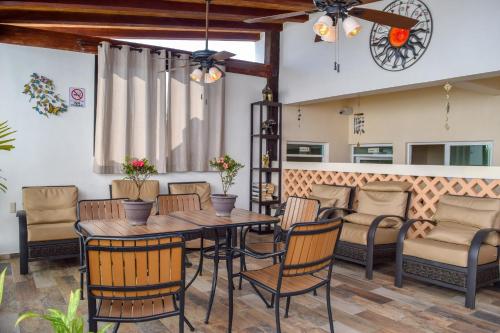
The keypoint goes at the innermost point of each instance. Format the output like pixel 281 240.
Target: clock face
pixel 396 49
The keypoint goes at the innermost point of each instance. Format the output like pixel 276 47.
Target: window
pixel 307 151
pixel 372 153
pixel 450 153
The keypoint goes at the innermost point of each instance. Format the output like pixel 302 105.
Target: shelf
pixel 267 169
pixel 266 203
pixel 267 136
pixel 267 103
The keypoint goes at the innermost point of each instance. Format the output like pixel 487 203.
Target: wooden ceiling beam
pixel 78 43
pixel 146 8
pixel 41 18
pixel 157 34
pixel 287 5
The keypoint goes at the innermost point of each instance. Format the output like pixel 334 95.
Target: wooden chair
pixel 101 209
pixel 132 280
pixel 461 252
pixel 370 232
pixel 309 249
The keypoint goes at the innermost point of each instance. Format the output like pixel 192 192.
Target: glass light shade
pixel 351 27
pixel 196 75
pixel 214 73
pixel 331 36
pixel 208 78
pixel 323 25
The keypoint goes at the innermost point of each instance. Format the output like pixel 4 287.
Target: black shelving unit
pixel 260 143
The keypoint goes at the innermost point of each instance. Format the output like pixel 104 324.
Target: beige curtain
pixel 195 119
pixel 130 110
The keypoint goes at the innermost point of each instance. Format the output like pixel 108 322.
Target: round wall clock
pixel 396 49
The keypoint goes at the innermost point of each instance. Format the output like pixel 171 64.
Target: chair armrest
pixel 328 211
pixel 476 243
pixel 255 255
pixel 374 225
pixel 407 225
pixel 21 214
pixel 280 210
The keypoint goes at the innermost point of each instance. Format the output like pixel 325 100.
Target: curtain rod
pixel 134 48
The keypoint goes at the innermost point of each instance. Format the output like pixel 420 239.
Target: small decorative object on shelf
pixel 266 160
pixel 42 89
pixel 137 211
pixel 268 127
pixel 267 94
pixel 264 191
pixel 228 170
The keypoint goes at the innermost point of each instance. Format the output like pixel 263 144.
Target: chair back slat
pixel 310 247
pixel 299 210
pixel 107 209
pixel 135 267
pixel 170 203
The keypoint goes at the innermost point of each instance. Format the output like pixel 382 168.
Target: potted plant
pixel 137 211
pixel 5 144
pixel 228 169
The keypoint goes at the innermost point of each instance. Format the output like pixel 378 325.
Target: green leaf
pixel 27 315
pixel 2 279
pixel 74 301
pixel 105 328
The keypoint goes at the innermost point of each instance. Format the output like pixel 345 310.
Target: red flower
pixel 225 165
pixel 137 163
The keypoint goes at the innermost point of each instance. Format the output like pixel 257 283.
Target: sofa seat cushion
pixel 447 253
pixel 339 193
pixel 382 203
pixel 51 231
pixel 202 189
pixel 50 204
pixel 367 219
pixel 358 234
pixel 454 233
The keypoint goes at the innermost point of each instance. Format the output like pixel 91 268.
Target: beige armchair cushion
pixel 202 189
pixel 452 233
pixel 382 203
pixel 324 202
pixel 51 231
pixel 447 253
pixel 387 186
pixel 339 193
pixel 367 219
pixel 122 188
pixel 50 204
pixel 358 234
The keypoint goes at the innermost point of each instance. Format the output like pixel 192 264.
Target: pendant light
pixel 351 26
pixel 323 25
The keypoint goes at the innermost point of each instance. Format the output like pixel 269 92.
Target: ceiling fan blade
pixel 362 2
pixel 221 56
pixel 280 16
pixel 384 18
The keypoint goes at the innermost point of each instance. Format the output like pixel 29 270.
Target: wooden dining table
pixel 187 223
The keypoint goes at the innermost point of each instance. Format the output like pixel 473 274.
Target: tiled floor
pixel 359 305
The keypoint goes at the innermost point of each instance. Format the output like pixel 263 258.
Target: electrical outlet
pixel 12 207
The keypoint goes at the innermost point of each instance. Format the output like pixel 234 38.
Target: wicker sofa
pixel 461 252
pixel 46 226
pixel 369 234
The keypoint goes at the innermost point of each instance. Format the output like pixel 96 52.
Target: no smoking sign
pixel 77 97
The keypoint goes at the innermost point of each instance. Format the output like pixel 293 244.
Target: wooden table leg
pixel 229 263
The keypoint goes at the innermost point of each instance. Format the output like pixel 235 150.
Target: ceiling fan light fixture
pixel 323 25
pixel 351 27
pixel 196 75
pixel 331 36
pixel 214 73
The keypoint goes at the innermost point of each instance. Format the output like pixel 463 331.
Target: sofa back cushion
pixel 50 204
pixel 201 188
pixel 475 212
pixel 122 188
pixel 387 186
pixel 382 203
pixel 331 195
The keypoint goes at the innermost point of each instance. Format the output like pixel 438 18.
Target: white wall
pixel 58 150
pixel 462 45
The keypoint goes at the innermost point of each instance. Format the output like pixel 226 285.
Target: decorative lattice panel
pixel 426 190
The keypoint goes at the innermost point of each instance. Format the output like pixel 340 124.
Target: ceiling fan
pixel 206 60
pixel 345 10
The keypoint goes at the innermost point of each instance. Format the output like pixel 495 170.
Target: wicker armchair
pixel 309 249
pixel 370 233
pixel 461 252
pixel 46 226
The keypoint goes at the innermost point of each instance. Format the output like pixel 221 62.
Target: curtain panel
pixel 141 112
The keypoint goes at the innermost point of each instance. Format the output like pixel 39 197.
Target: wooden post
pixel 272 58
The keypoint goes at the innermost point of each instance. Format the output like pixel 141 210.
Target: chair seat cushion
pixel 51 231
pixel 358 234
pixel 135 308
pixel 447 253
pixel 450 232
pixel 265 247
pixel 367 219
pixel 268 276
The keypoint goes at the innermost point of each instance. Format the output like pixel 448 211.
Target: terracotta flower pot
pixel 137 212
pixel 223 204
